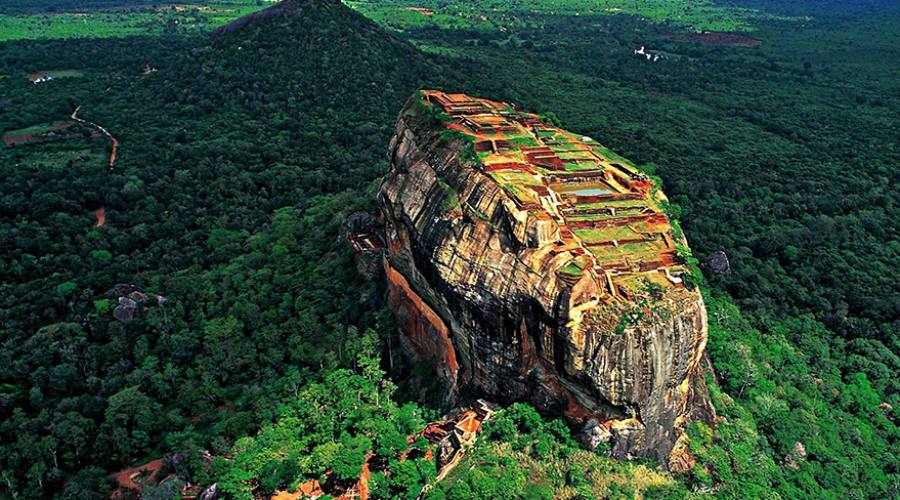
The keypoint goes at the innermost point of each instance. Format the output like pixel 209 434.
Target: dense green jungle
pixel 255 355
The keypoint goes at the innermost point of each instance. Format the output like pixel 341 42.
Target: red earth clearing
pixel 126 478
pixel 19 139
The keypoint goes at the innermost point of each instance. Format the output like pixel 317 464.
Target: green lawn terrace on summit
pixel 608 212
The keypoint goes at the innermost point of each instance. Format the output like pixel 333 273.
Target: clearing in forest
pixel 35 133
pixel 45 76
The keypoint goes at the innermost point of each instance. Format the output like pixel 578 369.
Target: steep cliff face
pixel 531 264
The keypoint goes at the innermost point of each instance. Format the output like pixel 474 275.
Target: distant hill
pixel 324 45
pixel 282 11
pixel 318 81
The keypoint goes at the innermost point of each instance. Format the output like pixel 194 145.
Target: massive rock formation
pixel 532 264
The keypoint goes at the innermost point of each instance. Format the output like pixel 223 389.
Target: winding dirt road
pixel 115 142
pixel 100 212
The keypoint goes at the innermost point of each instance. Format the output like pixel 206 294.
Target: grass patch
pixel 420 108
pixel 630 250
pixel 588 217
pixel 119 22
pixel 518 178
pixel 39 128
pixel 522 142
pixel 572 268
pixel 606 234
pixel 580 167
pixel 450 201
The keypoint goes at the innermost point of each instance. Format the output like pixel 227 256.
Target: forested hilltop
pixel 215 315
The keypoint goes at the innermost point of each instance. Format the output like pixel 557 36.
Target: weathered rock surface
pixel 130 299
pixel 477 287
pixel 717 262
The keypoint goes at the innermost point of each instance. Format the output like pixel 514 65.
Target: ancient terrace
pixel 607 214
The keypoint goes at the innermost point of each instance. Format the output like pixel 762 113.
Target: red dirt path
pixel 101 216
pixel 115 142
pixel 100 212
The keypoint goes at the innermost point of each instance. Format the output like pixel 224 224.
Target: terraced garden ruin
pixel 589 202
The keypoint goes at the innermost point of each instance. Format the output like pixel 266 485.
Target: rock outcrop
pixel 717 262
pixel 532 264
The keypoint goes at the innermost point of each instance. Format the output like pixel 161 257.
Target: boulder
pixel 210 493
pixel 717 262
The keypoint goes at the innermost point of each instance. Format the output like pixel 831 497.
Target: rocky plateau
pixel 531 264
